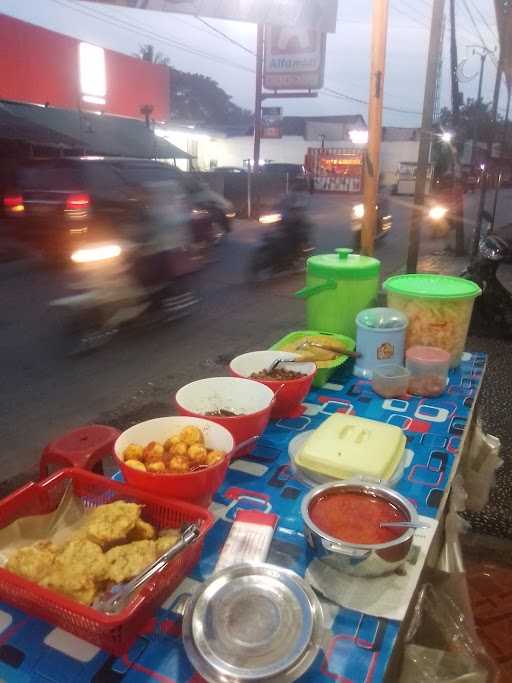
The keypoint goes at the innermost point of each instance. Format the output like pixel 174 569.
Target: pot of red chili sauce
pixel 342 527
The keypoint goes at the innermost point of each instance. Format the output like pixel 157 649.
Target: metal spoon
pixel 404 525
pixel 115 600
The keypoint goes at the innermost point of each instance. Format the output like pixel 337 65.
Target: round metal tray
pixel 253 622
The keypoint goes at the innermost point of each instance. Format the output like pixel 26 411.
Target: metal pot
pixel 353 558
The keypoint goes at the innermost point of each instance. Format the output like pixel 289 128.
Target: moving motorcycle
pixel 384 221
pixel 111 296
pixel 492 314
pixel 286 248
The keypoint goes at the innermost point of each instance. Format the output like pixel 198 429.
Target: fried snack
pixel 157 467
pixel 142 531
pixel 83 556
pixel 215 457
pixel 166 542
pixel 197 455
pixel 76 584
pixel 171 441
pixel 33 562
pixel 179 464
pixel 111 523
pixel 136 465
pixel 153 452
pixel 191 435
pixel 328 343
pixel 179 448
pixel 133 452
pixel 126 561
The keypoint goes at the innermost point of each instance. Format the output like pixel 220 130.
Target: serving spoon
pixel 403 525
pixel 345 352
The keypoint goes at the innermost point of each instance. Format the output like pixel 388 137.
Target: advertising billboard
pixel 294 58
pixel 60 71
pixel 271 122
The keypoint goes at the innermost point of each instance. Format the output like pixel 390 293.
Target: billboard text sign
pixel 294 58
pixel 316 14
pixel 271 122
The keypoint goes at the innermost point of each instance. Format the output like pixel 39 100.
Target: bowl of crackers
pixel 175 457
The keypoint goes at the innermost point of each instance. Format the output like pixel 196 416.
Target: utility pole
pixel 484 176
pixel 454 66
pixel 457 210
pixel 372 165
pixel 434 55
pixel 257 114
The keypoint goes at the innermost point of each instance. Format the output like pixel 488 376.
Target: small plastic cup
pixel 391 381
pixel 428 366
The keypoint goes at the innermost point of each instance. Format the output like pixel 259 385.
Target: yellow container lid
pixel 346 446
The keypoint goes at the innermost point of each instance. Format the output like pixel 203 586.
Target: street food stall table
pixel 361 642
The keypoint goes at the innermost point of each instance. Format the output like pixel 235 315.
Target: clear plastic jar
pixel 391 381
pixel 429 367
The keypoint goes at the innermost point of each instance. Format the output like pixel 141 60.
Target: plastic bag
pixel 442 645
pixel 479 466
pixel 444 648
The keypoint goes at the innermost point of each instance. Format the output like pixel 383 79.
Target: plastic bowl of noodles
pixel 438 307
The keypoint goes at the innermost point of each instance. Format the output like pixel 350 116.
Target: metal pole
pixel 454 66
pixel 257 108
pixel 484 176
pixel 483 57
pixel 434 55
pixel 503 147
pixel 372 166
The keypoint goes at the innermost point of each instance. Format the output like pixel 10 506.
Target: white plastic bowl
pixel 255 361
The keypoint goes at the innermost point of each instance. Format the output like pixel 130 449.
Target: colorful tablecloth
pixel 360 646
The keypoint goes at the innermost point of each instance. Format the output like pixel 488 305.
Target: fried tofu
pixel 142 531
pixel 33 562
pixel 73 582
pixel 126 561
pixel 84 557
pixel 110 524
pixel 166 542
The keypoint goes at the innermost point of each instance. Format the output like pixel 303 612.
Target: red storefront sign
pixel 41 66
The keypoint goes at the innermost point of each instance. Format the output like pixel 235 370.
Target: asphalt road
pixel 43 393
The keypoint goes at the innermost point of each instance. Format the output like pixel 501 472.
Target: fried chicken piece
pixel 83 557
pixel 142 531
pixel 33 562
pixel 70 581
pixel 126 561
pixel 112 523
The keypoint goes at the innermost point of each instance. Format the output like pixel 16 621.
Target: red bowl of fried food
pixel 175 457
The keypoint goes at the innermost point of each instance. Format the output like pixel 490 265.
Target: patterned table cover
pixel 360 645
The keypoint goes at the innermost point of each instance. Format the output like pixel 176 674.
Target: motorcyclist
pixel 295 223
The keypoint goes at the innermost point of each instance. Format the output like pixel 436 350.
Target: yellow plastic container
pixel 346 446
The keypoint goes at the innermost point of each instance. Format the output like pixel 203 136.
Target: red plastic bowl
pixel 289 393
pixel 251 401
pixel 195 487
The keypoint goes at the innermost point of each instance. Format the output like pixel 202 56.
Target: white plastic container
pixel 380 340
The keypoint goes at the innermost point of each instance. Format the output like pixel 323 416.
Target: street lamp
pixel 447 136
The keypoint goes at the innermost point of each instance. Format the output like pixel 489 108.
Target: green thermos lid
pixel 343 265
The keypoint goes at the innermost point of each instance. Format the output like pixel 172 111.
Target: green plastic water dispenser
pixel 338 286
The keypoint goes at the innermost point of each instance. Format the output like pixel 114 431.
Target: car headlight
pixel 437 213
pixel 231 214
pixel 102 252
pixel 269 218
pixel 358 211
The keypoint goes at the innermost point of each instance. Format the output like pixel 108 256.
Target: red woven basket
pixel 114 633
